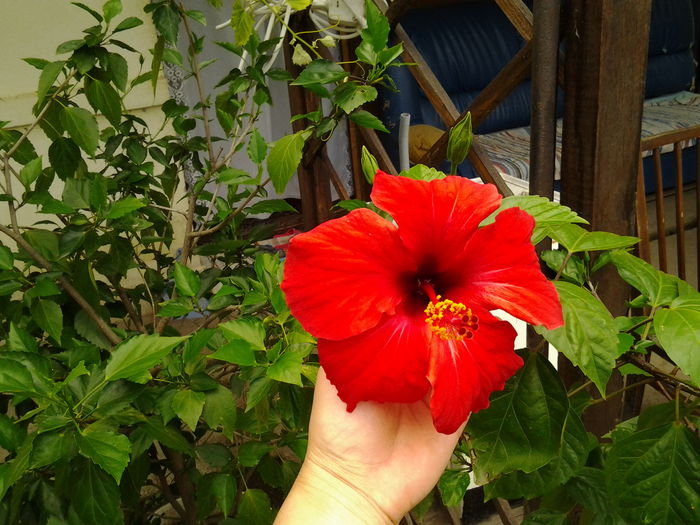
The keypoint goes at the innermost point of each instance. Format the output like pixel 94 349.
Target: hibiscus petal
pixel 341 277
pixel 465 373
pixel 388 363
pixel 435 218
pixel 499 269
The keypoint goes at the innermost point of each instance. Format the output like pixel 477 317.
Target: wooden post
pixel 606 60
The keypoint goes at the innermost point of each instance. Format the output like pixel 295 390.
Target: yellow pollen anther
pixel 451 321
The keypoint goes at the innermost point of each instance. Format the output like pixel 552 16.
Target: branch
pixel 129 305
pixel 184 485
pixel 686 386
pixel 65 284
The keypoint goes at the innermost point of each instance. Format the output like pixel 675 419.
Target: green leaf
pixel 284 158
pixel 7 260
pixel 576 239
pixel 572 455
pixel 376 34
pixel 254 508
pixel 574 270
pixel 167 435
pixel 589 336
pixel 11 434
pixel 175 307
pixel 453 486
pixel 459 142
pixel 224 488
pixel 104 98
pixel 19 340
pixel 259 390
pixel 107 449
pixel 64 156
pixel 49 317
pixel 30 172
pixel 188 406
pixel 124 206
pixel 197 16
pixel 12 471
pixel 257 147
pixel 15 378
pixel 133 358
pixel 299 5
pixel 249 329
pixel 546 517
pixel 76 194
pixel 95 495
pixel 111 8
pixel 94 13
pixel 220 411
pixel 545 212
pixel 366 119
pixel 167 23
pixel 270 206
pixel 242 23
pixel 661 288
pixel 118 69
pixel 521 429
pixel 351 95
pixel 653 476
pixel 678 332
pixel 237 352
pixel 48 76
pixel 287 368
pixel 369 165
pixel 45 242
pixel 320 72
pixel 421 172
pixel 187 281
pixel 82 128
pixel 128 23
pixel 172 56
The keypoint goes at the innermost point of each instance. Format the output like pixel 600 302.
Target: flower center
pixel 451 321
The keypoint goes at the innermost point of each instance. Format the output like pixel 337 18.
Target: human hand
pixel 368 466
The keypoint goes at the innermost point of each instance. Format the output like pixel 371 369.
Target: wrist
pixel 320 496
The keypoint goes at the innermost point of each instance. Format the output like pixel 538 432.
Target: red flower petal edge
pixel 403 310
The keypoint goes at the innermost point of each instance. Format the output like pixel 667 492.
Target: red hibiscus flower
pixel 403 310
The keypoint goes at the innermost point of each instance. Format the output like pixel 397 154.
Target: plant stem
pixel 563 265
pixel 579 388
pixel 618 392
pixel 65 284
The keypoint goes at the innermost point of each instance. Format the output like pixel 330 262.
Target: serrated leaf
pixel 259 390
pixel 366 119
pixel 453 486
pixel 7 260
pixel 299 5
pixel 284 158
pixel 576 239
pixel 64 156
pixel 521 429
pixel 270 206
pixel 661 288
pixel 545 212
pixel 48 76
pixel 187 281
pixel 224 489
pixel 376 34
pixel 287 368
pixel 678 333
pixel 257 147
pixel 421 172
pixel 49 317
pixel 105 99
pixel 242 23
pixel 124 206
pixel 188 406
pixel 653 476
pixel 19 340
pixel 134 357
pixel 237 352
pixel 546 517
pixel 167 23
pixel 175 307
pixel 249 329
pixel 572 454
pixel 95 495
pixel 15 378
pixel 254 508
pixel 30 172
pixel 128 23
pixel 320 72
pixel 107 449
pixel 588 337
pixel 220 411
pixel 82 128
pixel 351 95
